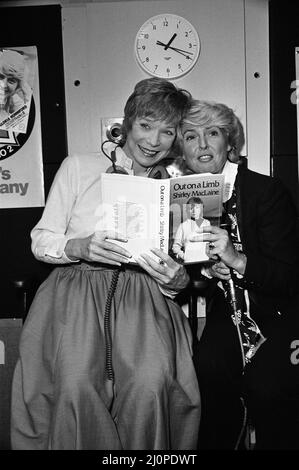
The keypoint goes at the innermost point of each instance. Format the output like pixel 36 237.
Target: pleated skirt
pixel 62 395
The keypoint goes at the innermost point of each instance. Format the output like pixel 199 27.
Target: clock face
pixel 167 46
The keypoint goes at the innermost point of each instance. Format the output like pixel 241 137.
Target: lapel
pixel 247 195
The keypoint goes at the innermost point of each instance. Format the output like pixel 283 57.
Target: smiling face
pixel 195 211
pixel 204 148
pixel 148 142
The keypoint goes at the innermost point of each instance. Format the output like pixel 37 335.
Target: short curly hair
pixel 156 98
pixel 194 200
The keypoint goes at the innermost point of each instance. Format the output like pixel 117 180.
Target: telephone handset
pixel 158 171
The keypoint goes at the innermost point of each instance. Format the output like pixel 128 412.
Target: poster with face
pixel 21 163
pixel 17 73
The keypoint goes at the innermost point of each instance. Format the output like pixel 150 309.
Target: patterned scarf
pixel 249 333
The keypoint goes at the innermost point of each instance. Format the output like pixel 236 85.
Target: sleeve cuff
pixel 57 254
pixel 168 292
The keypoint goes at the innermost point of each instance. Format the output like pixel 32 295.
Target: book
pixel 162 213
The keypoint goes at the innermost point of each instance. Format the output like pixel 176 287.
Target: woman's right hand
pixel 96 248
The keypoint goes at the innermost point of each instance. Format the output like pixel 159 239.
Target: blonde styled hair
pixel 209 113
pixel 12 64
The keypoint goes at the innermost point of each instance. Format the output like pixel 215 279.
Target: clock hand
pixel 159 43
pixel 179 51
pixel 187 55
pixel 166 46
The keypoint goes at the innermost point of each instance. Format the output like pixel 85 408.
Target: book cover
pixel 163 213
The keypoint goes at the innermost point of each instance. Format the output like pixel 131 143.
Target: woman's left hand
pixel 168 273
pixel 219 270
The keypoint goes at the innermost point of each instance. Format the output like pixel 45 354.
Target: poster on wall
pixel 21 163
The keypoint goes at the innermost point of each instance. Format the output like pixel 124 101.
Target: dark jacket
pixel 267 222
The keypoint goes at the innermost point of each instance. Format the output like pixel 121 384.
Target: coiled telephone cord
pixel 107 324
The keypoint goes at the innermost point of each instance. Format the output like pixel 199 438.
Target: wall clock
pixel 167 46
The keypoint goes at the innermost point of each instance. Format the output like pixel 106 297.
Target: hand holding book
pixel 97 247
pixel 169 274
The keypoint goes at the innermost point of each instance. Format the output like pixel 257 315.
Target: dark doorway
pixel 284 37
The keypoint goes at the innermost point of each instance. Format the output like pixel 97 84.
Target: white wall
pixel 98 40
pixel 257 87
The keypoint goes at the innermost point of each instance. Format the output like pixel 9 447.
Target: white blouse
pixel 72 208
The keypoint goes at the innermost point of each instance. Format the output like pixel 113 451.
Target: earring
pixel 232 156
